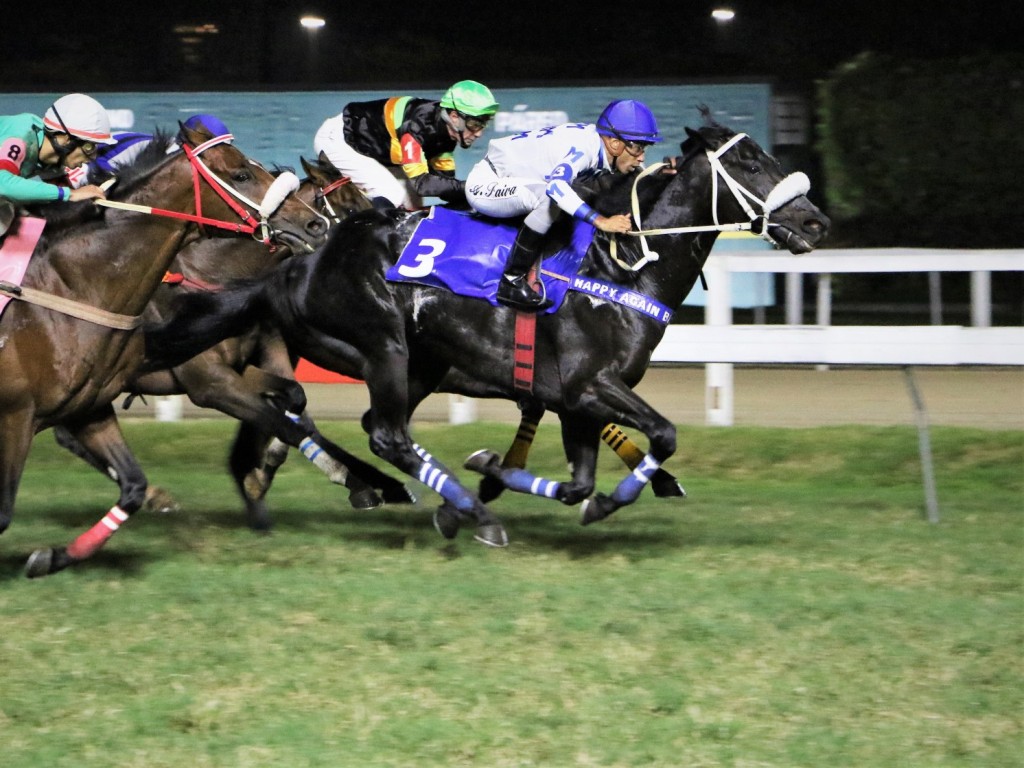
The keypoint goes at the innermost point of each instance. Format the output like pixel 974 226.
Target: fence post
pixel 170 407
pixel 718 377
pixel 461 409
pixel 981 299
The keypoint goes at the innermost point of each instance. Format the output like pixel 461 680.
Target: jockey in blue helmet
pixel 631 122
pixel 211 123
pixel 128 145
pixel 532 173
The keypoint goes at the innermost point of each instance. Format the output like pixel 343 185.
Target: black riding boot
pixel 514 290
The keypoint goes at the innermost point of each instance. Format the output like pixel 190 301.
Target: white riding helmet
pixel 81 116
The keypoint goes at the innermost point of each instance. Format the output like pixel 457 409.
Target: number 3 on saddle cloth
pixel 466 253
pixel 15 251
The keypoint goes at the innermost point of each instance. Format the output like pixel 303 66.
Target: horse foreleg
pixel 664 484
pixel 388 426
pixel 340 466
pixel 15 441
pixel 244 460
pixel 101 436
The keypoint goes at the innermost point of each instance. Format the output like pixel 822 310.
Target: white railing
pixel 720 344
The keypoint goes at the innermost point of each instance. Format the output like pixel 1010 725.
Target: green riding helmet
pixel 470 98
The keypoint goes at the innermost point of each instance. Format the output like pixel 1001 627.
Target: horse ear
pixel 324 160
pixel 306 167
pixel 694 141
pixel 196 136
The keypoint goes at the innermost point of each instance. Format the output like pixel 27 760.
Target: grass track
pixel 796 610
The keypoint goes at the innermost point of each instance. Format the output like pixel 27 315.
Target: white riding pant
pixel 373 178
pixel 506 197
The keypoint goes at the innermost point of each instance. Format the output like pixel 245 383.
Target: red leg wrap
pixel 89 542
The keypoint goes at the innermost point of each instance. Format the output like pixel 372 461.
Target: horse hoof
pixel 446 521
pixel 492 535
pixel 256 484
pixel 366 499
pixel 43 562
pixel 666 487
pixel 160 501
pixel 399 495
pixel 597 507
pixel 486 462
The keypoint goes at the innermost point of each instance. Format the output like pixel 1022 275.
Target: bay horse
pixel 70 342
pixel 338 309
pixel 251 376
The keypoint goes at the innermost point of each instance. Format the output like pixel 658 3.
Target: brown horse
pixel 251 377
pixel 66 367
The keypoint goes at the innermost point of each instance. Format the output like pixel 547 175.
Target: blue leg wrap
pixel 627 491
pixel 441 482
pixel 522 481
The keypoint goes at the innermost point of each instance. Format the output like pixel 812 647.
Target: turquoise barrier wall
pixel 278 127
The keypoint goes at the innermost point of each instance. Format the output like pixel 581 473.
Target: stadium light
pixel 312 23
pixel 723 14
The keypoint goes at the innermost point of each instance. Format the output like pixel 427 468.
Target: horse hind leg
pixel 101 436
pixel 157 499
pixel 515 457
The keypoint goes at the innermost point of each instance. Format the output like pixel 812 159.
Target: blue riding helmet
pixel 213 124
pixel 629 120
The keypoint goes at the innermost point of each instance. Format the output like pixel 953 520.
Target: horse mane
pixel 611 193
pixel 149 159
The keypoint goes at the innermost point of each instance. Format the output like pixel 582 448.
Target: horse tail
pixel 199 320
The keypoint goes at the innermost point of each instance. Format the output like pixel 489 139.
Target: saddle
pixel 16 249
pixel 465 253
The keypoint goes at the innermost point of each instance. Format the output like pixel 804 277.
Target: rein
pixel 71 307
pixel 788 189
pixel 282 186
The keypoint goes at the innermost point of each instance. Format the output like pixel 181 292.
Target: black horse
pixel 337 309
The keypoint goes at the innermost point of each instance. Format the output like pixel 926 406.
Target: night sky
pixel 69 46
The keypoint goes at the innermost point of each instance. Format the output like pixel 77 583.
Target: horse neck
pixel 685 202
pixel 117 264
pixel 217 260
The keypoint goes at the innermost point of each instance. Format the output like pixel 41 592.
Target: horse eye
pixel 241 176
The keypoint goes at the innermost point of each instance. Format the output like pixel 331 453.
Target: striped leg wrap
pixel 89 542
pixel 629 489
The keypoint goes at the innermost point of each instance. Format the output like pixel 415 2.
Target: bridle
pixel 323 198
pixel 282 186
pixel 790 188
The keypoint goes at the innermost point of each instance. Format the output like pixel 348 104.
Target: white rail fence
pixel 720 344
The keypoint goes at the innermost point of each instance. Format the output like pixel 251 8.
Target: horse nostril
pixel 817 226
pixel 316 227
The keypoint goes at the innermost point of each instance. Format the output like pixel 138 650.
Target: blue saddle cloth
pixel 466 254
